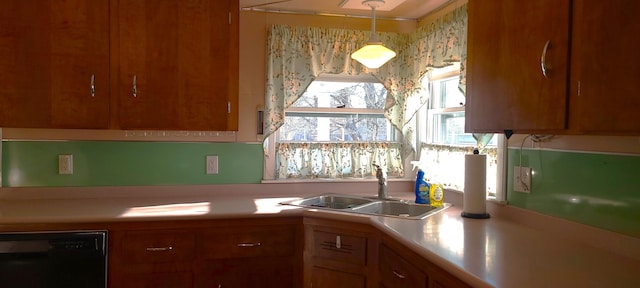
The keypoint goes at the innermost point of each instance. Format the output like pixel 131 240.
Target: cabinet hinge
pixel 229 107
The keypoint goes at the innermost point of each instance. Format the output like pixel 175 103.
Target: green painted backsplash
pixel 601 190
pixel 114 163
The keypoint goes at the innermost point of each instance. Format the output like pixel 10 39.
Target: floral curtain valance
pixel 298 55
pixel 337 159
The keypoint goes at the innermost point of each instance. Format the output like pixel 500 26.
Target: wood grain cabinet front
pixel 208 253
pixel 247 256
pixel 396 272
pixel 152 258
pixel 399 266
pixel 177 64
pixel 553 66
pixel 54 64
pixel 339 254
pixel 122 64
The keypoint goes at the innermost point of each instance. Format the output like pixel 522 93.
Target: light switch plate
pixel 212 164
pixel 65 164
pixel 522 179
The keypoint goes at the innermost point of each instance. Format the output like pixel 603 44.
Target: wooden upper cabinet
pixel 506 88
pixel 604 67
pixel 177 64
pixel 49 53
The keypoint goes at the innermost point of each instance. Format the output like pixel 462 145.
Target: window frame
pixel 425 129
pixel 270 143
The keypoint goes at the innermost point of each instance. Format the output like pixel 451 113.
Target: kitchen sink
pixel 399 209
pixel 368 205
pixel 332 201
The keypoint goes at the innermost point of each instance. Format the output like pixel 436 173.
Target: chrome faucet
pixel 382 182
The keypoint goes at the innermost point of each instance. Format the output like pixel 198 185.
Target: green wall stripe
pixel 601 190
pixel 112 163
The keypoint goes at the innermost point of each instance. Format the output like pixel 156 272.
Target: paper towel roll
pixel 475 186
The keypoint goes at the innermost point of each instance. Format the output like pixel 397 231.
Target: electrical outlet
pixel 212 164
pixel 65 164
pixel 522 179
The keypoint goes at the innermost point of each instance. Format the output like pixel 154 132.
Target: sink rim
pixel 371 200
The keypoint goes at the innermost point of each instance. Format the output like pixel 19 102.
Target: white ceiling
pixel 404 9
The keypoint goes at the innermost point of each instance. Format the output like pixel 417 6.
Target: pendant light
pixel 374 54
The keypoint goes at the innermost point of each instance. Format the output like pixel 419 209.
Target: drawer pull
pixel 135 86
pixel 338 242
pixel 93 85
pixel 398 274
pixel 249 244
pixel 157 249
pixel 543 60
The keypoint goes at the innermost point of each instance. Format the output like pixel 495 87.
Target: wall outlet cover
pixel 212 164
pixel 65 164
pixel 522 179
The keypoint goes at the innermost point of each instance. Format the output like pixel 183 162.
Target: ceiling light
pixel 374 54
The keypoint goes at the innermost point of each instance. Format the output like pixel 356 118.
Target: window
pixel 337 129
pixel 331 110
pixel 443 142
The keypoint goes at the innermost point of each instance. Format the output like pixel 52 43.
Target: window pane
pixel 450 95
pixel 335 127
pixel 448 128
pixel 325 94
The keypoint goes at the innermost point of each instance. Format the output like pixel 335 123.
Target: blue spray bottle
pixel 422 187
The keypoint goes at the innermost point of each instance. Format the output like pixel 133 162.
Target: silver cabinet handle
pixel 398 275
pixel 135 86
pixel 249 244
pixel 543 59
pixel 93 85
pixel 157 249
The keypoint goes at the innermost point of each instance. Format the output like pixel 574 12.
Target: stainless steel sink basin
pixel 332 201
pixel 368 205
pixel 399 209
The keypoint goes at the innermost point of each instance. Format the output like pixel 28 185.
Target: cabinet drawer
pixel 395 271
pixel 253 241
pixel 158 246
pixel 340 247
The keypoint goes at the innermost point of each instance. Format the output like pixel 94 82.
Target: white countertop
pixel 491 252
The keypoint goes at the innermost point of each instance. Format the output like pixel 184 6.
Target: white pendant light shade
pixel 374 54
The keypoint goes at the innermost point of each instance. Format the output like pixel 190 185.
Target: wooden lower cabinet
pixel 324 277
pixel 339 254
pixel 209 253
pixel 246 272
pixel 395 271
pixel 274 252
pixel 400 267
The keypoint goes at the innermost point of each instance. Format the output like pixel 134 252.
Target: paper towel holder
pixel 476 151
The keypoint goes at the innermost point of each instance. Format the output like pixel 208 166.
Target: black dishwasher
pixel 53 259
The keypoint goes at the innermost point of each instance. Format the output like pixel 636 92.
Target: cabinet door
pixel 506 89
pixel 50 53
pixel 157 280
pixel 604 67
pixel 262 272
pixel 175 64
pixel 395 271
pixel 322 277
